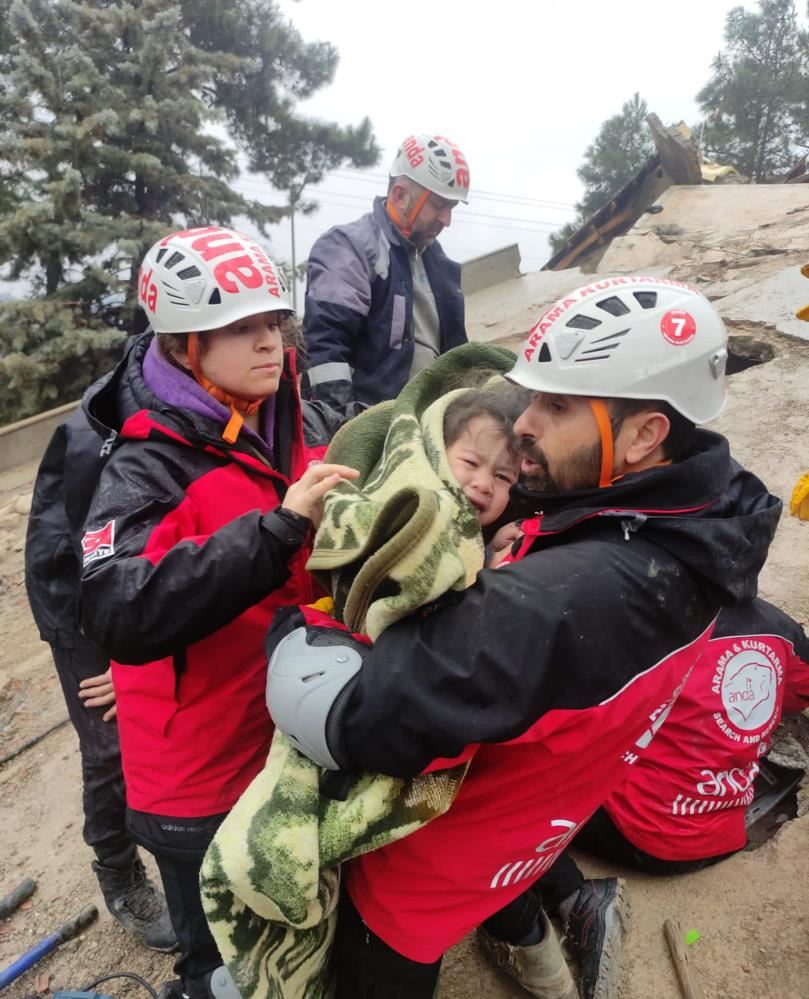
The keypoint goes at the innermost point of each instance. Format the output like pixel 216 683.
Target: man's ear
pixel 640 439
pixel 399 197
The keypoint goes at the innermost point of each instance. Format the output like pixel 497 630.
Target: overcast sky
pixel 522 87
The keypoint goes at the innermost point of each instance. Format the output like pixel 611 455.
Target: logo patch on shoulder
pixel 98 544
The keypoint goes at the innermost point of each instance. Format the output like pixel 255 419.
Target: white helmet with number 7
pixel 632 337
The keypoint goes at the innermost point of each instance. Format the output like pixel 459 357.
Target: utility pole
pixel 294 193
pixel 294 259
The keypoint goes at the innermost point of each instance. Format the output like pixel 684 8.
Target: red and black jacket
pixel 610 582
pixel 185 561
pixel 686 798
pixel 553 673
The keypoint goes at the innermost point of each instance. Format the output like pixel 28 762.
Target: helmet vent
pixel 160 254
pixel 441 154
pixel 174 295
pixel 216 298
pixel 173 260
pixel 188 272
pixel 610 336
pixel 545 353
pixel 646 299
pixel 602 349
pixel 613 305
pixel 581 322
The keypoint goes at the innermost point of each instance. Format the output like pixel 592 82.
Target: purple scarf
pixel 179 390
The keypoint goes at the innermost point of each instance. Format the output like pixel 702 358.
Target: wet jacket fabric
pixel 552 672
pixel 63 490
pixel 686 798
pixel 185 560
pixel 358 318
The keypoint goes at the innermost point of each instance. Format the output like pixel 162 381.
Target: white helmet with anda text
pixel 434 162
pixel 632 337
pixel 200 279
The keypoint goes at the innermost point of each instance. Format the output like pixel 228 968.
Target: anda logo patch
pixel 98 544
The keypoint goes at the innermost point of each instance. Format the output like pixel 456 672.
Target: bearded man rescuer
pixel 552 672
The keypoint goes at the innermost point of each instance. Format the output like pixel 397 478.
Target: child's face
pixel 245 358
pixel 485 470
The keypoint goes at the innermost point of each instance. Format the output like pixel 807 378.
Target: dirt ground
pixel 751 912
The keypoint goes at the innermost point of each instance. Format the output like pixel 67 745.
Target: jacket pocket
pixel 397 322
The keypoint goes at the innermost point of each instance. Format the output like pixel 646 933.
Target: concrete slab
pixel 641 251
pixel 512 307
pixel 721 213
pixel 772 301
pixel 740 223
pixel 723 289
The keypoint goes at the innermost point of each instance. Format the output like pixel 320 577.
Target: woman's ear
pixel 180 357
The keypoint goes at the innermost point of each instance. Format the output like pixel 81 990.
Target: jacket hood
pixel 110 401
pixel 706 510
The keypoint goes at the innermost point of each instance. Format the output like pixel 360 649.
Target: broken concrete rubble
pixel 770 301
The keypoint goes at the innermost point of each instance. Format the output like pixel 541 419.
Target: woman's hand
pixel 96 691
pixel 305 497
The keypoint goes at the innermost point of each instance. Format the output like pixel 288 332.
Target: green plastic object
pixel 691 937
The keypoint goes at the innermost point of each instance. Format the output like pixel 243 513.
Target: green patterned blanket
pixel 395 540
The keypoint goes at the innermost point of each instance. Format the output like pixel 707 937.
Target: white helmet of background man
pixel 630 338
pixel 435 163
pixel 199 279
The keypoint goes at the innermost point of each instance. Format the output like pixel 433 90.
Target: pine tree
pixel 8 179
pixel 114 132
pixel 259 100
pixel 757 100
pixel 616 154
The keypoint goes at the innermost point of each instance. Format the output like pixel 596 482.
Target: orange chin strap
pixel 407 227
pixel 239 408
pixel 602 418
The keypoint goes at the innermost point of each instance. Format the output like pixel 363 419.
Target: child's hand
pixel 305 497
pixel 97 692
pixel 506 536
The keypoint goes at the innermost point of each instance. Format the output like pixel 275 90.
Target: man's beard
pixel 580 470
pixel 424 239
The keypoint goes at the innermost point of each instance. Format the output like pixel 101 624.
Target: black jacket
pixel 53 543
pixel 63 489
pixel 614 581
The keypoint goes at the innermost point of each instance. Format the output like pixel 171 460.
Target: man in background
pixel 382 298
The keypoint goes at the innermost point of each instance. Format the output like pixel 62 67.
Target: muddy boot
pixel 595 920
pixel 135 903
pixel 540 968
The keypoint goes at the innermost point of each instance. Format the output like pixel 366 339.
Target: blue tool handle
pixel 29 958
pixel 67 930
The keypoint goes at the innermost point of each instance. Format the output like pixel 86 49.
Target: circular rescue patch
pixel 749 690
pixel 678 327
